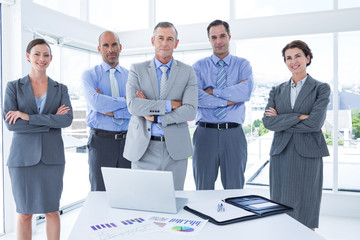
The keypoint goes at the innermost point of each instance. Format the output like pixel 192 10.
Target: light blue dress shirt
pixel 40 102
pixel 294 91
pixel 236 69
pixel 98 77
pixel 156 129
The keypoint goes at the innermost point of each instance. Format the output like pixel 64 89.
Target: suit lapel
pixel 153 79
pixel 51 92
pixel 286 97
pixel 28 93
pixel 305 90
pixel 172 76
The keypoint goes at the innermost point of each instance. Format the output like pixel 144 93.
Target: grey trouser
pixel 104 152
pixel 214 148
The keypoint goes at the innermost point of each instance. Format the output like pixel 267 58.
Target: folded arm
pixel 317 116
pixel 189 103
pixel 141 106
pixel 278 122
pixel 100 102
pixel 62 118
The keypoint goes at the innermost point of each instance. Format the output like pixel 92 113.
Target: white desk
pixel 279 227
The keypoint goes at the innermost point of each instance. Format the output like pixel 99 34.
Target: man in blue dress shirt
pixel 225 83
pixel 108 116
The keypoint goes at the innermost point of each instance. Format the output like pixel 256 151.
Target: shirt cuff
pixel 216 92
pixel 168 106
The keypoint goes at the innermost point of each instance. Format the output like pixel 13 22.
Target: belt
pixel 158 138
pixel 219 126
pixel 116 136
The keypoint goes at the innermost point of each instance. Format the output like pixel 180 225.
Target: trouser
pixel 104 152
pixel 224 148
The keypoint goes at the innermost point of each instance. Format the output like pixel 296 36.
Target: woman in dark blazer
pixel 35 109
pixel 296 111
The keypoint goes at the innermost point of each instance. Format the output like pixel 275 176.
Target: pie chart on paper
pixel 182 229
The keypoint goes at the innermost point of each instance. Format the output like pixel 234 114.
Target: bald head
pixel 109 47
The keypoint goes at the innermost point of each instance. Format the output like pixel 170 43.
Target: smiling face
pixel 296 61
pixel 109 48
pixel 39 57
pixel 219 40
pixel 164 42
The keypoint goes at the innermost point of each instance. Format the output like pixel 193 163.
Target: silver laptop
pixel 144 190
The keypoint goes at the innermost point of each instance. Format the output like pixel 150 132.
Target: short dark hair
pixel 36 41
pixel 165 25
pixel 217 23
pixel 301 45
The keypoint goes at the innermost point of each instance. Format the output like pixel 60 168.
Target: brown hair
pixel 36 41
pixel 301 45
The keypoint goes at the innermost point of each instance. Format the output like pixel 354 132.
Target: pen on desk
pixel 221 208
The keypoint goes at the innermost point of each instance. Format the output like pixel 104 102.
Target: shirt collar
pixel 159 64
pixel 226 59
pixel 300 83
pixel 107 67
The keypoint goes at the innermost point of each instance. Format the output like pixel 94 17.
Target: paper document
pixel 263 205
pixel 210 208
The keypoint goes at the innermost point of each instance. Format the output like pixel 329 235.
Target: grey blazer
pixel 182 86
pixel 313 100
pixel 38 139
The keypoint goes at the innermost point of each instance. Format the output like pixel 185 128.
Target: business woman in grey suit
pixel 35 109
pixel 158 137
pixel 296 111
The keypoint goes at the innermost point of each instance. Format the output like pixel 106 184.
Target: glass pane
pixel 119 15
pixel 126 61
pixel 1 141
pixel 349 115
pixel 196 11
pixel 76 179
pixel 269 70
pixel 69 7
pixel 261 8
pixel 348 3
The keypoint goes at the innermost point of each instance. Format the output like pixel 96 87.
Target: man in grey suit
pixel 162 97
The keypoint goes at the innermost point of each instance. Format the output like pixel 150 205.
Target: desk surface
pixel 96 210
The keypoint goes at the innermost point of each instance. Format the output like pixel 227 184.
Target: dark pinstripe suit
pixel 298 147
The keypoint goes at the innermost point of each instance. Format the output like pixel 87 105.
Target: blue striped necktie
pixel 220 112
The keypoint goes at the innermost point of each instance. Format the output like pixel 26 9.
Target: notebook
pixel 144 190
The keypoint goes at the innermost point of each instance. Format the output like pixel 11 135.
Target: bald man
pixel 108 116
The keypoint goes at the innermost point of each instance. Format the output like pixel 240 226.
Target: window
pixel 348 3
pixel 67 66
pixel 349 112
pixel 119 15
pixel 196 11
pixel 262 8
pixel 1 139
pixel 69 7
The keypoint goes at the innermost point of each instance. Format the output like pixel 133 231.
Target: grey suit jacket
pixel 313 100
pixel 181 86
pixel 38 139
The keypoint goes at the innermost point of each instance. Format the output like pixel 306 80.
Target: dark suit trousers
pixel 104 152
pixel 215 148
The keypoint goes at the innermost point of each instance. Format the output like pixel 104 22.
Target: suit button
pixel 149 129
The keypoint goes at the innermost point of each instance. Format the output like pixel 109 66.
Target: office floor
pixel 331 228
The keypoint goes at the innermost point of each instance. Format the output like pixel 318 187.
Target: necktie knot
pixel 164 69
pixel 221 63
pixel 112 70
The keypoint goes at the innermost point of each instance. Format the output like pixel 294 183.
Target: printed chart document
pixel 125 228
pixel 210 208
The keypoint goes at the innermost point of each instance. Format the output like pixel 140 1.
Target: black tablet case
pixel 245 203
